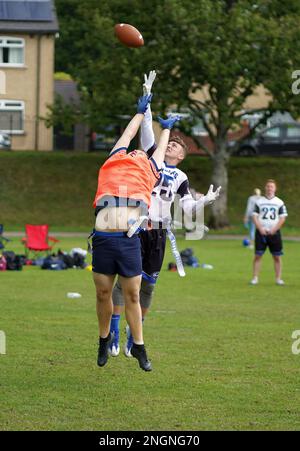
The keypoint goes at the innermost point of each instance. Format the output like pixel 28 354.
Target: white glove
pixel 147 86
pixel 211 196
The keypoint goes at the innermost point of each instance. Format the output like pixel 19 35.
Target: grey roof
pixel 28 16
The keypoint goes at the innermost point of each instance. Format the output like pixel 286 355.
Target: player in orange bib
pixel 125 184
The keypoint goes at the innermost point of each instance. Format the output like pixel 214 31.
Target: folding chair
pixel 2 238
pixel 37 239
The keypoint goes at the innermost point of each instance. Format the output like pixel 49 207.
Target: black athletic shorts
pixel 273 242
pixel 153 245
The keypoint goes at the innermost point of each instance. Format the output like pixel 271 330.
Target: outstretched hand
pixel 147 86
pixel 143 103
pixel 212 195
pixel 169 122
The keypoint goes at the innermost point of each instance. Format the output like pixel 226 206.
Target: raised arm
pixel 167 125
pixel 147 134
pixel 133 126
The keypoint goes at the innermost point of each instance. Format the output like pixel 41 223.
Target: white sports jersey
pixel 252 201
pixel 269 211
pixel 173 181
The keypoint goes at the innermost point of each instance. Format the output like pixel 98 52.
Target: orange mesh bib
pixel 128 176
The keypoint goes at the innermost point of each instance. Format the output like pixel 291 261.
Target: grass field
pixel 58 188
pixel 221 350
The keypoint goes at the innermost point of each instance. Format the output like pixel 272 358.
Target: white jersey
pixel 269 211
pixel 173 181
pixel 252 201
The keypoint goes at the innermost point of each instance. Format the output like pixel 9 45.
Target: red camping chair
pixel 37 238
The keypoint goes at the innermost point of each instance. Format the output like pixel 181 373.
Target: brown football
pixel 128 35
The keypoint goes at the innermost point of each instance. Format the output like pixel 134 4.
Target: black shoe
pixel 104 344
pixel 139 352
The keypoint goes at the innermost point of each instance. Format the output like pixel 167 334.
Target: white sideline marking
pixel 165 311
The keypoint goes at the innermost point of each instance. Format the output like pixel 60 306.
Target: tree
pixel 226 48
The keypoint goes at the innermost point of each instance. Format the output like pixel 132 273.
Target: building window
pixel 12 116
pixel 11 51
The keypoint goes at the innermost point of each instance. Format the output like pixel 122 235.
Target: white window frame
pixel 13 105
pixel 20 45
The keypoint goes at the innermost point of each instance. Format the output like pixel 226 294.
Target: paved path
pixel 210 236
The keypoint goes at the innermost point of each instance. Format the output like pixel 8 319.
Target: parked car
pixel 5 142
pixel 278 140
pixel 100 141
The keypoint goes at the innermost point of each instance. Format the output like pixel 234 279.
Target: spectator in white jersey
pixel 173 183
pixel 248 218
pixel 269 216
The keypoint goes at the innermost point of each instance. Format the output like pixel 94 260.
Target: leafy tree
pixel 226 48
pixel 62 115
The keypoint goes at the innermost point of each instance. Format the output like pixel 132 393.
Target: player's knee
pixel 146 294
pixel 103 294
pixel 117 295
pixel 132 297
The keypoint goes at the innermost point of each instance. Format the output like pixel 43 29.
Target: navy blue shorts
pixel 115 253
pixel 273 242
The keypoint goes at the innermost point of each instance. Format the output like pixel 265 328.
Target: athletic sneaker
pixel 103 349
pixel 254 281
pixel 129 342
pixel 280 282
pixel 139 352
pixel 114 348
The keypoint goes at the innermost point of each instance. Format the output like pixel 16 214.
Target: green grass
pixel 58 188
pixel 221 350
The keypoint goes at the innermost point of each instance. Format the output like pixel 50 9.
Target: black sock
pixel 139 347
pixel 105 339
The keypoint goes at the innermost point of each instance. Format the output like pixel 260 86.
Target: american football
pixel 129 35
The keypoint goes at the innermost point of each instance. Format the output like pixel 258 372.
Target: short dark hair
pixel 178 140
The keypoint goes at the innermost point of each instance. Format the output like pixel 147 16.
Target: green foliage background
pixel 229 46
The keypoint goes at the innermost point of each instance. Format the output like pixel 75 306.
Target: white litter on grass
pixel 78 250
pixel 165 311
pixel 73 295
